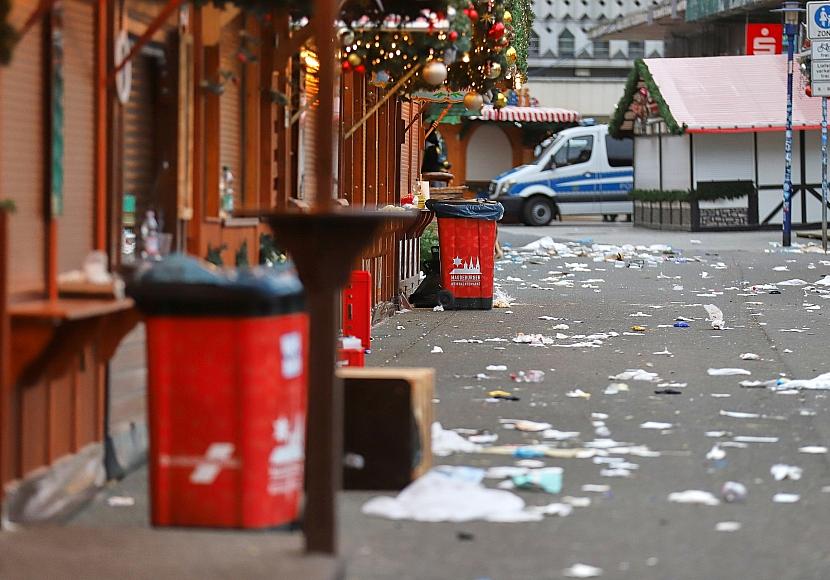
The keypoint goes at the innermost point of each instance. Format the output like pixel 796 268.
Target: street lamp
pixel 791 10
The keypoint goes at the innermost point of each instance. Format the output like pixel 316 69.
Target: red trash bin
pixel 467 239
pixel 227 372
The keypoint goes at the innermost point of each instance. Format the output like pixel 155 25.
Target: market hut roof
pixel 529 115
pixel 723 94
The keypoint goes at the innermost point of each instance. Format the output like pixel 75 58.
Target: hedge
pixel 706 191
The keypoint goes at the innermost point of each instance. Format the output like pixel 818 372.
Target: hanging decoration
pixel 434 73
pixel 473 101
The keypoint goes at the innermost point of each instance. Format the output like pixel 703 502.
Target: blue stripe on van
pixel 591 186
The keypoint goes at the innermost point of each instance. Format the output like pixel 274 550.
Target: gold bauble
pixel 511 55
pixel 434 73
pixel 500 101
pixel 507 17
pixel 495 71
pixel 354 59
pixel 473 101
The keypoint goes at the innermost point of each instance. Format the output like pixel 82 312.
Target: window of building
pixel 620 151
pixel 636 49
pixel 533 49
pixel 577 150
pixel 602 49
pixel 566 44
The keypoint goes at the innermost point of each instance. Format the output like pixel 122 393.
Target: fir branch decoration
pixel 639 73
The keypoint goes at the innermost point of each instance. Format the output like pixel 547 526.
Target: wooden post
pixel 194 226
pixel 7 423
pixel 266 118
pixel 101 60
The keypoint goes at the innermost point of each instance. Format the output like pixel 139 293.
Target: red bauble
pixel 360 69
pixel 346 66
pixel 473 15
pixel 808 90
pixel 453 36
pixel 496 31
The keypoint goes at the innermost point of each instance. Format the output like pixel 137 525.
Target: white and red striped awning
pixel 529 115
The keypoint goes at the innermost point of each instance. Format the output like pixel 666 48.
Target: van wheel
pixel 537 211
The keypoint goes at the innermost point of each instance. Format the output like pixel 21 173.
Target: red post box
pixel 357 307
pixel 467 239
pixel 227 400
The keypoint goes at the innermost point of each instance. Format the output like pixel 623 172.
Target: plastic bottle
pixel 150 236
pixel 226 200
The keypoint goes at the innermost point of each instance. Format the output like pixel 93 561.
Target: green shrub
pixel 428 239
pixel 706 191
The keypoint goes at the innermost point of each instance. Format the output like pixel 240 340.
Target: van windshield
pixel 545 149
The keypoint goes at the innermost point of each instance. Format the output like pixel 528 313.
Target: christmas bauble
pixel 434 73
pixel 346 36
pixel 494 71
pixel 453 36
pixel 507 17
pixel 500 101
pixel 473 101
pixel 496 31
pixel 472 15
pixel 511 55
pixel 354 59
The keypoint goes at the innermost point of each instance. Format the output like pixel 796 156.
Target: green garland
pixel 523 17
pixel 638 73
pixel 706 191
pixel 8 35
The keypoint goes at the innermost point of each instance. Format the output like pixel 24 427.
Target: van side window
pixel 577 150
pixel 620 151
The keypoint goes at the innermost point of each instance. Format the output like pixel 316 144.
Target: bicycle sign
pixel 818 20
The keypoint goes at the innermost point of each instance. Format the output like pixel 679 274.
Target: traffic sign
pixel 820 70
pixel 820 50
pixel 821 89
pixel 818 20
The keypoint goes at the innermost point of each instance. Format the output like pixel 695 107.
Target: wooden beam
pixel 101 96
pixel 389 94
pixel 8 430
pixel 267 132
pixel 252 89
pixel 194 226
pixel 169 9
pixel 42 8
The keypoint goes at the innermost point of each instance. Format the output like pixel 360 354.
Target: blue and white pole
pixel 790 29
pixel 824 174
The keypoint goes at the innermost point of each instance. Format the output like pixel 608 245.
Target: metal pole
pixel 824 174
pixel 789 30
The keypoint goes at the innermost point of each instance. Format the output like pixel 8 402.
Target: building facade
pixel 567 68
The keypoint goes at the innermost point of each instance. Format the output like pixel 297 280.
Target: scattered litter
pixel 523 425
pixel 502 299
pixel 552 509
pixel 655 425
pixel 733 492
pixel 786 498
pixel 436 350
pixel 668 392
pixel 595 488
pixel 616 388
pixel 750 356
pixel 547 479
pixel 755 439
pixel 578 394
pixel 582 571
pixel 819 383
pixel 502 396
pixel 727 372
pixel 639 314
pixel 727 526
pixel 694 496
pixel 533 339
pixel 557 435
pixel 496 368
pixel 739 415
pixel 532 376
pixel 438 308
pixel 715 453
pixel 664 352
pixel 780 472
pixel 793 282
pixel 120 501
pixel 638 328
pixel 715 316
pixel 636 375
pixel 814 449
pixel 445 442
pixel 438 497
pixel 681 324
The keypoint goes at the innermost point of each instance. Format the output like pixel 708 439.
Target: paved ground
pixel 631 532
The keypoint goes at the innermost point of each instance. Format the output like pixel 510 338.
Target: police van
pixel 583 171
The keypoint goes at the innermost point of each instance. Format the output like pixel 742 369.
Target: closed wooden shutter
pixel 311 92
pixel 140 163
pixel 76 225
pixel 230 112
pixel 22 152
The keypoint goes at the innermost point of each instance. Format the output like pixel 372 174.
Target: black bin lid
pixel 468 208
pixel 185 286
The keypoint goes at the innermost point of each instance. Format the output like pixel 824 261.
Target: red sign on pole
pixel 764 38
